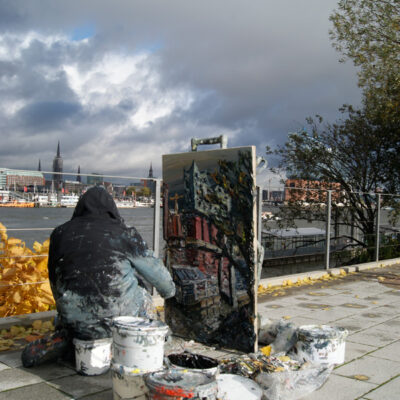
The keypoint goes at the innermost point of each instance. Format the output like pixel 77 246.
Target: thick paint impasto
pixel 209 228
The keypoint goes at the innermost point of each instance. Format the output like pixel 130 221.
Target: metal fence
pixel 330 227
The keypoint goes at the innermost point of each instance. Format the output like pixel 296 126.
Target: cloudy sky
pixel 121 82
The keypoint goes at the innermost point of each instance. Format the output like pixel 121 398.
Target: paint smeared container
pixel 321 344
pixel 235 387
pixel 92 357
pixel 139 342
pixel 177 384
pixel 128 383
pixel 194 363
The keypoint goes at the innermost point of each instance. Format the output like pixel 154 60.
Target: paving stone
pixel 79 386
pixel 50 371
pixel 3 366
pixel 356 350
pixel 15 378
pixel 40 391
pixel 11 358
pixel 340 388
pixel 376 369
pixel 332 314
pixel 375 336
pixel 106 395
pixel 389 352
pixel 388 391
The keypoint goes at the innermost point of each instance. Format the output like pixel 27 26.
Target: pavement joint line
pixel 380 385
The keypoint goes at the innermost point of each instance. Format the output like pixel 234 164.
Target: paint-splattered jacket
pixel 97 266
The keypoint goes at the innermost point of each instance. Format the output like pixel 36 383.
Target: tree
pixel 352 153
pixel 144 192
pixel 368 33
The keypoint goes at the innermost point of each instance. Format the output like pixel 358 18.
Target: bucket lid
pixel 138 324
pixel 322 332
pixel 236 387
pixel 91 343
pixel 181 383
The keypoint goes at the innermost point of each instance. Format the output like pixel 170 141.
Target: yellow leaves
pixel 24 285
pixel 361 377
pixel 342 272
pixel 37 324
pixel 266 350
pixel 381 278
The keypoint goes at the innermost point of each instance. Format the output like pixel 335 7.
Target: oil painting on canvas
pixel 209 229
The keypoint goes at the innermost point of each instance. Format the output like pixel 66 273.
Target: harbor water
pixel 36 224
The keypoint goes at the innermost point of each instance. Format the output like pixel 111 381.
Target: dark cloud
pixel 151 75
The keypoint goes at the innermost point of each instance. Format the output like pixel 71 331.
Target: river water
pixel 36 224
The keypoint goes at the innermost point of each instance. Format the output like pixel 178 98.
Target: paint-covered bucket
pixel 321 344
pixel 139 342
pixel 176 384
pixel 235 387
pixel 128 383
pixel 194 362
pixel 92 357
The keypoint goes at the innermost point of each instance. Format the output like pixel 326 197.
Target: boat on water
pixel 18 204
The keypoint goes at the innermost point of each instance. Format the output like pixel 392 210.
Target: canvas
pixel 209 227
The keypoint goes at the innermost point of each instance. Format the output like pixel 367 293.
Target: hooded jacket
pixel 95 266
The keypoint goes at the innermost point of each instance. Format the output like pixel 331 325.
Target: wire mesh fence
pixel 330 227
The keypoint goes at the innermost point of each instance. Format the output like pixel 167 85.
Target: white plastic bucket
pixel 128 383
pixel 174 384
pixel 193 363
pixel 321 344
pixel 235 387
pixel 92 357
pixel 139 343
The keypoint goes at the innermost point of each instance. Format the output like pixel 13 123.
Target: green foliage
pixel 144 192
pixel 130 191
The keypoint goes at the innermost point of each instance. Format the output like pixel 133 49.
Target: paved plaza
pixel 362 303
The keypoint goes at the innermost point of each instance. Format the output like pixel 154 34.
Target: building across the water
pixel 15 179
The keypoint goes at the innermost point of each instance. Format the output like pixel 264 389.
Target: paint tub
pixel 321 344
pixel 92 357
pixel 194 363
pixel 235 387
pixel 180 384
pixel 128 383
pixel 139 342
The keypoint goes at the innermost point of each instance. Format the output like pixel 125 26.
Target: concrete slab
pixel 389 391
pixel 340 388
pixel 331 314
pixel 40 391
pixel 376 369
pixel 49 372
pixel 79 386
pixel 356 350
pixel 389 352
pixel 106 395
pixel 15 378
pixel 11 358
pixel 3 366
pixel 374 336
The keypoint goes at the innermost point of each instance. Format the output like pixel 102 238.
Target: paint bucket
pixel 194 363
pixel 177 384
pixel 92 357
pixel 235 387
pixel 321 344
pixel 128 383
pixel 139 342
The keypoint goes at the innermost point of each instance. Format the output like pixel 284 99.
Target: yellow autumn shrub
pixel 24 280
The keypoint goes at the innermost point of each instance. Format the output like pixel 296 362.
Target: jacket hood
pixel 97 202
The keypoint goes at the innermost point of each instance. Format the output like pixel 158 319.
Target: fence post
pixel 377 225
pixel 328 228
pixel 156 221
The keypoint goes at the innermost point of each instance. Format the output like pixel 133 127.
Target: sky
pixel 119 83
